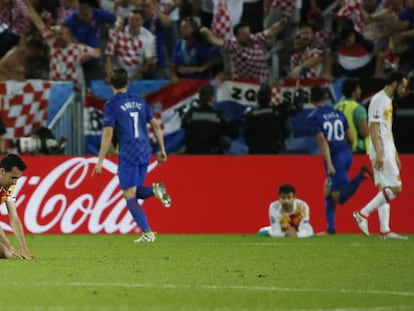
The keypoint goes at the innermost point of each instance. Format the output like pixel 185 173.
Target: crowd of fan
pixel 266 40
pixel 178 39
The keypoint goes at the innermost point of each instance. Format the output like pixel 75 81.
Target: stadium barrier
pixel 210 194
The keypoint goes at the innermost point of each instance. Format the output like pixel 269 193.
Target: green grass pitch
pixel 210 272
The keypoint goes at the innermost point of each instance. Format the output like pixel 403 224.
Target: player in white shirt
pixel 384 156
pixel 288 216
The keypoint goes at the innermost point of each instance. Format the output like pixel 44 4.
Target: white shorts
pixel 390 174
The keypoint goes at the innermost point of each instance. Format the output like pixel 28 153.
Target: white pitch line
pixel 222 287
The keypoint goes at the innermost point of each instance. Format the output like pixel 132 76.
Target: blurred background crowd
pixel 267 40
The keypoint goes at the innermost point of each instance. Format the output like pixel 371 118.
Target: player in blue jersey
pixel 128 115
pixel 335 141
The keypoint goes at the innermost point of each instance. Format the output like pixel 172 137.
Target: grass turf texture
pixel 210 272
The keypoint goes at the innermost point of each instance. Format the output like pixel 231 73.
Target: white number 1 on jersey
pixel 134 116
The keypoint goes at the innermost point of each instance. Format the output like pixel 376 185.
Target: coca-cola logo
pixel 68 200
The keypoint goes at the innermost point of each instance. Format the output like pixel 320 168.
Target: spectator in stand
pixel 289 216
pixel 131 48
pixel 192 58
pixel 65 55
pixel 206 12
pixel 356 56
pixel 25 61
pixel 14 22
pixel 355 114
pixel 156 22
pixel 247 55
pixel 84 24
pixel 265 125
pixel 207 131
pixel 123 8
pixel 308 64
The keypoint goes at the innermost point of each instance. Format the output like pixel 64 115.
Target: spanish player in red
pixel 11 169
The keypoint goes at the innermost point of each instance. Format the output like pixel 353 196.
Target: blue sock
pixel 144 192
pixel 138 214
pixel 330 208
pixel 349 189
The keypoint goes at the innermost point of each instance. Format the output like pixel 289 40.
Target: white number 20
pixel 335 130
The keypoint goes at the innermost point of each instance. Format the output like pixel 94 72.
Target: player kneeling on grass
pixel 11 169
pixel 289 216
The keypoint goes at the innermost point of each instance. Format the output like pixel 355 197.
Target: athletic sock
pixel 138 214
pixel 144 192
pixel 330 207
pixel 374 204
pixel 349 189
pixel 384 217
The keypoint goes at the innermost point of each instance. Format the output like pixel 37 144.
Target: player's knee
pixel 5 253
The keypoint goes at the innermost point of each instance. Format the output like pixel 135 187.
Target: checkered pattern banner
pixel 221 23
pixel 23 106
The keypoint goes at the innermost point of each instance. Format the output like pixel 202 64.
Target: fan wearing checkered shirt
pixel 131 48
pixel 247 51
pixel 128 115
pixel 65 55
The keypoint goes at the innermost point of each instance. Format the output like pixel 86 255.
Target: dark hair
pixel 12 160
pixel 264 95
pixel 205 94
pixel 317 93
pixel 345 33
pixel 238 26
pixel 395 76
pixel 306 25
pixel 348 87
pixel 286 188
pixel 118 78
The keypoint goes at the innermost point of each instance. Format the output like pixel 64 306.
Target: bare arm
pixel 326 153
pixel 363 128
pixel 106 143
pixel 34 16
pixel 211 37
pixel 17 227
pixel 375 139
pixel 277 27
pixel 164 19
pixel 162 155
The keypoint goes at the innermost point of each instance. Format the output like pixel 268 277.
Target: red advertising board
pixel 210 194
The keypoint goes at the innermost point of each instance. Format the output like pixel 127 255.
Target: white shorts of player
pixel 389 176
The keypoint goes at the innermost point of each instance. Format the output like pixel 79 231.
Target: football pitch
pixel 210 272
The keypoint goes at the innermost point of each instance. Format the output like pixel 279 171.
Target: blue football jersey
pixel 128 115
pixel 333 124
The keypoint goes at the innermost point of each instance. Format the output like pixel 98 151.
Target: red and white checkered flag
pixel 284 5
pixel 352 11
pixel 221 23
pixel 24 106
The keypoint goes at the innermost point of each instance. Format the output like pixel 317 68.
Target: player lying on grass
pixel 11 169
pixel 289 216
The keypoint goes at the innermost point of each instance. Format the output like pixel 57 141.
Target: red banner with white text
pixel 210 194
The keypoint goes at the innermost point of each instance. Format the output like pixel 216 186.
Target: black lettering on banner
pixel 250 95
pixel 237 93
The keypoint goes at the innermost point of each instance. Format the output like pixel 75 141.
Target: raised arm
pixel 34 16
pixel 211 37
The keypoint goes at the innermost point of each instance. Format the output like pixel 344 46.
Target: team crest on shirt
pixel 377 114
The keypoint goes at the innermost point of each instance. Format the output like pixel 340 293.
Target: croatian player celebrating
pixel 128 115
